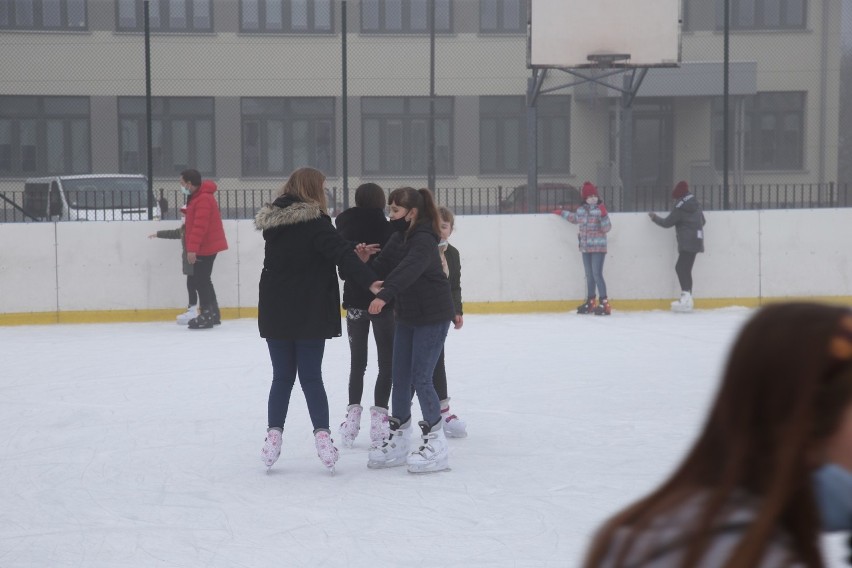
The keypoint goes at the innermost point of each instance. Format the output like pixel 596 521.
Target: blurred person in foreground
pixel 772 468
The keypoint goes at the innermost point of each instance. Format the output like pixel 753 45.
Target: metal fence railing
pixel 243 204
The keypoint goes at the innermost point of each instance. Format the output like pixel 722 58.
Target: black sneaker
pixel 203 321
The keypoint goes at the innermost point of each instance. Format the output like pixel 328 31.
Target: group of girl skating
pixel 400 276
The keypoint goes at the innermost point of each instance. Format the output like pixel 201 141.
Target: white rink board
pixel 564 32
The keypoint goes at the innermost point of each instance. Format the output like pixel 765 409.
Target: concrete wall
pixel 509 262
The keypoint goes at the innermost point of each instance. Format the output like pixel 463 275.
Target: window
pixel 43 15
pixel 773 131
pixel 44 135
pixel 395 135
pixel 181 135
pixel 404 16
pixel 502 16
pixel 286 16
pixel 762 14
pixel 282 134
pixel 503 139
pixel 166 15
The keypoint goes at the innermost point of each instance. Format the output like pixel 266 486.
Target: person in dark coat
pixel 191 289
pixel 299 301
pixel 366 223
pixel 688 220
pixel 414 280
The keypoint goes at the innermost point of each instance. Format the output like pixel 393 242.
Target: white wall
pixel 70 266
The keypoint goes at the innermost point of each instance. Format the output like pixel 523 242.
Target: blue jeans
pixel 593 264
pixel 415 351
pixel 290 357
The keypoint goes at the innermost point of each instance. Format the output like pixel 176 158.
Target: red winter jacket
pixel 205 235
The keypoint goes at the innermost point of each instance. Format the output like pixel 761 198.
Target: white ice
pixel 138 445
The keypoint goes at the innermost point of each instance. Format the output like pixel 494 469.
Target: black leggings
pixel 358 328
pixel 202 269
pixel 683 268
pixel 191 290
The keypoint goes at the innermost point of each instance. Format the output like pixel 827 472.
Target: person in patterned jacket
pixel 594 223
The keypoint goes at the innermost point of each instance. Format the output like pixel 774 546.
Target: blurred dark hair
pixel 191 176
pixel 782 395
pixel 370 195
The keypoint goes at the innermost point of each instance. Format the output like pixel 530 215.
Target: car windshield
pixel 106 193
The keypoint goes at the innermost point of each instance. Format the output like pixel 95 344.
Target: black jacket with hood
pixel 299 296
pixel 414 278
pixel 688 220
pixel 361 225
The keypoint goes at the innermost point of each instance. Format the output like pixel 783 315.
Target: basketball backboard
pixel 584 33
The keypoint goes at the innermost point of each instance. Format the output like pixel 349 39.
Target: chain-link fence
pixel 247 90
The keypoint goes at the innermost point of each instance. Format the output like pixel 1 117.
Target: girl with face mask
pixel 594 223
pixel 772 468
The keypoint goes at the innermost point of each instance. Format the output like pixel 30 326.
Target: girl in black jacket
pixel 414 280
pixel 299 301
pixel 366 223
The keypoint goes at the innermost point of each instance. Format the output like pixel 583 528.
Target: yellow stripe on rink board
pixel 546 306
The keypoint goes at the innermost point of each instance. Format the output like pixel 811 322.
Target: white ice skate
pixel 350 427
pixel 326 451
pixel 684 304
pixel 190 313
pixel 454 427
pixel 393 451
pixel 271 447
pixel 379 426
pixel 433 454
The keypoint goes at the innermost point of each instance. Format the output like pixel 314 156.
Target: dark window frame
pixel 38 154
pixel 164 13
pixel 500 10
pixel 288 115
pixel 9 13
pixel 408 119
pixel 775 152
pixel 286 19
pixel 743 19
pixel 406 24
pixel 549 117
pixel 164 119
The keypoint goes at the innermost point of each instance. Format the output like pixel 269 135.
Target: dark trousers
pixel 191 290
pixel 358 329
pixel 202 269
pixel 683 268
pixel 439 378
pixel 303 358
pixel 416 349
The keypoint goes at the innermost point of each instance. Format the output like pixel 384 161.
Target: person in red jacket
pixel 205 238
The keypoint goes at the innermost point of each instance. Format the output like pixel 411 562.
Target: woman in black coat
pixel 299 301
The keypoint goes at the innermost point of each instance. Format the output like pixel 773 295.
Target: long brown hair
pixel 308 185
pixel 782 395
pixel 420 199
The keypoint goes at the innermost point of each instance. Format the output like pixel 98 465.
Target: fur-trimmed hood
pixel 286 211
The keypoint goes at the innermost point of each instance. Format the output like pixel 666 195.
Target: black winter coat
pixel 454 266
pixel 688 220
pixel 299 296
pixel 414 278
pixel 361 225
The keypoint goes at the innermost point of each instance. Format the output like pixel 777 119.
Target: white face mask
pixel 833 491
pixel 591 200
pixel 185 191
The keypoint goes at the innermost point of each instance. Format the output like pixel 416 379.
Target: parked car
pixel 92 197
pixel 550 196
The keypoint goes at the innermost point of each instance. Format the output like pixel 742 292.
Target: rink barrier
pixel 484 308
pixel 71 272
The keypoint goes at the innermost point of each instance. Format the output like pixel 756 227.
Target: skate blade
pixel 428 471
pixel 385 465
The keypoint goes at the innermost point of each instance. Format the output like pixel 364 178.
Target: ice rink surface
pixel 138 445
